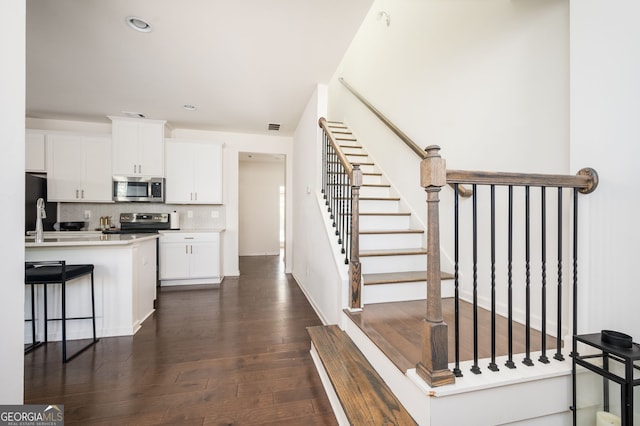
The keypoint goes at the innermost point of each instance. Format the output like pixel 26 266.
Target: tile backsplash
pixel 202 215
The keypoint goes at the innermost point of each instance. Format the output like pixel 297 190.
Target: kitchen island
pixel 125 280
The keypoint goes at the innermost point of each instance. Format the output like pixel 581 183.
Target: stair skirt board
pixel 341 417
pixel 399 292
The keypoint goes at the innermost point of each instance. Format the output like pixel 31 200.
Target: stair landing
pixel 396 329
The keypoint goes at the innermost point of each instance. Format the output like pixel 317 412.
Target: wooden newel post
pixel 433 368
pixel 355 269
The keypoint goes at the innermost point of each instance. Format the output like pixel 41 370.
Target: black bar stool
pixel 58 272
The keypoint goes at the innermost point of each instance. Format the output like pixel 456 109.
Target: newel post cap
pixel 433 168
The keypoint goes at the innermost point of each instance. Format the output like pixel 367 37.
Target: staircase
pixel 392 251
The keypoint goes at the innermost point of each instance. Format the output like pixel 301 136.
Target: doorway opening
pixel 261 204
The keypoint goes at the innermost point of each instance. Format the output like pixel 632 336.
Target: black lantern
pixel 606 368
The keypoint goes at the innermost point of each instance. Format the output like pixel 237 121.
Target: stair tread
pixel 392 252
pixel 391 231
pixel 379 198
pixel 365 397
pixel 385 214
pixel 400 277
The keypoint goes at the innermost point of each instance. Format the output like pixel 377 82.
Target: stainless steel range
pixel 133 223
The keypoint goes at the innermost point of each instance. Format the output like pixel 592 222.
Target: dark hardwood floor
pixel 238 355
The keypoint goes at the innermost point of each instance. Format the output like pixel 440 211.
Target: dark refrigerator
pixel 36 187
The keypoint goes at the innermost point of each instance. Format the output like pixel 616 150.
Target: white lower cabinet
pixel 190 258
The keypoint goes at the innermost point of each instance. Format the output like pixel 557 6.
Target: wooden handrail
pixel 403 137
pixel 464 192
pixel 586 180
pixel 343 159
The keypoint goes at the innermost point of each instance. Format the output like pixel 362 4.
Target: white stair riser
pixel 358 159
pixel 390 241
pixel 354 150
pixel 378 206
pixel 398 292
pixel 384 222
pixel 369 168
pixel 382 264
pixel 375 191
pixel 372 179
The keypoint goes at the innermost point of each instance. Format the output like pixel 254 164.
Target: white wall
pixel 259 207
pixel 488 81
pixel 485 80
pixel 605 130
pixel 316 263
pixel 12 106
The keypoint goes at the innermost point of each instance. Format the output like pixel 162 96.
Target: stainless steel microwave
pixel 140 189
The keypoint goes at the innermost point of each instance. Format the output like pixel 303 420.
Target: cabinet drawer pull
pixel 188 238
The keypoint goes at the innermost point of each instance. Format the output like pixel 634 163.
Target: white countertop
pixel 65 239
pixel 192 231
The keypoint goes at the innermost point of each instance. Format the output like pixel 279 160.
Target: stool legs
pixel 66 359
pixel 34 343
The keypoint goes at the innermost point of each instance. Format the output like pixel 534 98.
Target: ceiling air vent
pixel 134 114
pixel 274 126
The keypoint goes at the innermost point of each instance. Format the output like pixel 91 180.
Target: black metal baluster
pixel 510 363
pixel 575 266
pixel 325 170
pixel 349 230
pixel 527 268
pixel 543 195
pixel 334 187
pixel 492 365
pixel 338 211
pixel 456 299
pixel 475 368
pixel 558 355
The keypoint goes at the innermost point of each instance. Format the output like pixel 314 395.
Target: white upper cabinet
pixel 193 172
pixel 35 151
pixel 138 147
pixel 78 168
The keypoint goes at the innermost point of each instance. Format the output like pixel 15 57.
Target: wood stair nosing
pixel 400 277
pixel 391 231
pixel 351 146
pixel 363 394
pixel 393 252
pixel 375 185
pixel 362 163
pixel 369 198
pixel 385 214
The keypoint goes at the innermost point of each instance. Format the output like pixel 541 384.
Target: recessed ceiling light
pixel 138 24
pixel 189 107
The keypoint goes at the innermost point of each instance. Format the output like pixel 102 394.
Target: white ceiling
pixel 242 63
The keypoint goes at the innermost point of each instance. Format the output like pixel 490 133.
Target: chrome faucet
pixel 40 214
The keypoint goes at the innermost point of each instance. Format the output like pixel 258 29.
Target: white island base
pixel 124 280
